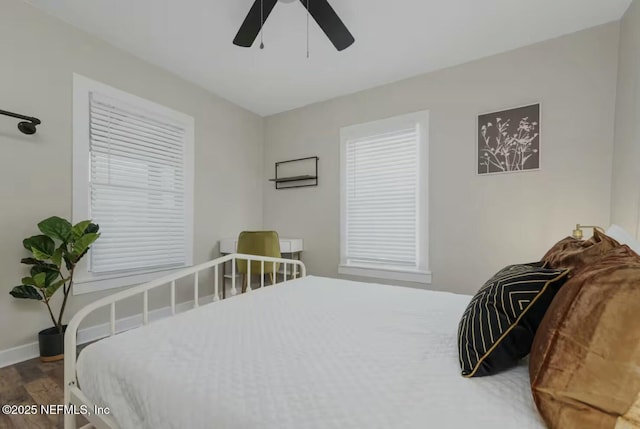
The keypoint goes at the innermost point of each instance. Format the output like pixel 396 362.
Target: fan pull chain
pixel 262 23
pixel 307 29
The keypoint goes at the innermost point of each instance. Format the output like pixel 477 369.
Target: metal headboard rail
pixel 74 396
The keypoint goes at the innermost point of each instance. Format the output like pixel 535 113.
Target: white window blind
pixel 137 188
pixel 381 214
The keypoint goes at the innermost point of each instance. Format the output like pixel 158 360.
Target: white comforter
pixel 309 354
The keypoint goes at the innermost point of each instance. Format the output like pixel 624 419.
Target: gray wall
pixel 625 200
pixel 477 224
pixel 38 55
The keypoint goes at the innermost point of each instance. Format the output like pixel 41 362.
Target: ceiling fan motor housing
pixel 320 10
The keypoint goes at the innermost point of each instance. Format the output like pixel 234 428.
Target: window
pixel 133 175
pixel 384 199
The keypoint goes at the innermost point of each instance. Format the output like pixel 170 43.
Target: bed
pixel 307 353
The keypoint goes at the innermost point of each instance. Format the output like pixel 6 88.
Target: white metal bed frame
pixel 74 398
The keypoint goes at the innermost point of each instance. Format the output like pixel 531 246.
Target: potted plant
pixel 55 254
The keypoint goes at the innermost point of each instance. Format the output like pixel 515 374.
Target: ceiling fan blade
pixel 330 22
pixel 253 22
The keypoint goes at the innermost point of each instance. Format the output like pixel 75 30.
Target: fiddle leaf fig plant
pixel 55 254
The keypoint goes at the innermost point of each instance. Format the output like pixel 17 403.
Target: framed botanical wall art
pixel 509 140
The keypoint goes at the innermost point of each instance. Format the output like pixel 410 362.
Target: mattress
pixel 308 354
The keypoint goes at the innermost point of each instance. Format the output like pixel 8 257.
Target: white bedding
pixel 309 354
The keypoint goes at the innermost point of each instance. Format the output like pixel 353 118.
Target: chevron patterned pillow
pixel 498 326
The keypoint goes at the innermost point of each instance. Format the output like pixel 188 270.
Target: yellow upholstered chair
pixel 262 243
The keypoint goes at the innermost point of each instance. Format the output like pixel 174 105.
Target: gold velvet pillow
pixel 585 358
pixel 573 254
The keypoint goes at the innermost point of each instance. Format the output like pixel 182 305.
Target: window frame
pixel 422 273
pixel 86 281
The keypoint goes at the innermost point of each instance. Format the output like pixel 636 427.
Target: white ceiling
pixel 395 39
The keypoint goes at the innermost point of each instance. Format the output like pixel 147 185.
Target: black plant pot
pixel 51 343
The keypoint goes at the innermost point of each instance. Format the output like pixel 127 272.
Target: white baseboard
pixel 18 354
pixel 92 333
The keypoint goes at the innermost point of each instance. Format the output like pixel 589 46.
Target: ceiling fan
pixel 320 10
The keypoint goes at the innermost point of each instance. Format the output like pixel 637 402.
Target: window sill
pixel 90 284
pixel 423 277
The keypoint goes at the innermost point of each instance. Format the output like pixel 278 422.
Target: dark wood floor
pixel 32 383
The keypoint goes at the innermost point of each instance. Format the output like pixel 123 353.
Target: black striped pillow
pixel 498 326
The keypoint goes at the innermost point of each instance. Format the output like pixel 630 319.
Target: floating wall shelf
pixel 293 179
pixel 297 180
